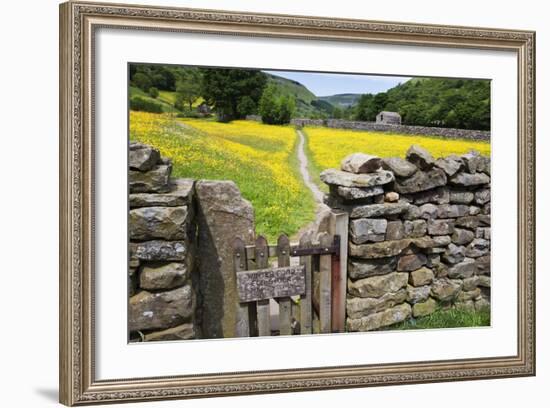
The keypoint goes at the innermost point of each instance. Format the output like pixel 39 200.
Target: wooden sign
pixel 271 283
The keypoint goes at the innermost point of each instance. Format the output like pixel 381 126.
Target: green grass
pixel 164 101
pixel 260 159
pixel 313 167
pixel 449 318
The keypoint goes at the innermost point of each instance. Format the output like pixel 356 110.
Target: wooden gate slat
pixel 261 253
pixel 325 283
pixel 242 328
pixel 339 227
pixel 283 259
pixel 305 299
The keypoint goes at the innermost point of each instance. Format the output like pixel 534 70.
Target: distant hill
pixel 342 100
pixel 307 104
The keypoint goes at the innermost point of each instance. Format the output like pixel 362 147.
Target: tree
pixel 142 81
pixel 337 113
pixel 366 109
pixel 188 88
pixel 153 92
pixel 233 93
pixel 274 109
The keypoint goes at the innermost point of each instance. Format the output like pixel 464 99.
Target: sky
pixel 322 84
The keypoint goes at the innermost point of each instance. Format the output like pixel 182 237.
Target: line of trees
pixel 236 93
pixel 453 103
pixel 233 93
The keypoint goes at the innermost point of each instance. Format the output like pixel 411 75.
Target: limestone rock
pixel 463 270
pixel 411 262
pixel 469 180
pixel 452 210
pixel 438 195
pixel 185 331
pixel 454 254
pixel 157 222
pixel 424 308
pixel 361 163
pixel 421 277
pixel 469 221
pixel 464 296
pixel 433 259
pixel 441 270
pixel 473 161
pixel 153 311
pixel 440 227
pixel 483 264
pixel 474 210
pixel 428 211
pixel 158 250
pixel 358 269
pixel 359 307
pixel 399 167
pixel 180 194
pixel 441 240
pixel 395 230
pixel 484 281
pixel 222 215
pixel 450 165
pixel 411 213
pixel 421 181
pixel 378 210
pixel 471 283
pixel 461 196
pixel 483 196
pixel 376 286
pixel 375 321
pixel 142 157
pixel 345 179
pixel 415 229
pixel 355 193
pixel 418 294
pixel 483 232
pixel 445 289
pixel 482 304
pixel 484 219
pixel 391 197
pixel 163 276
pixel 478 247
pixel 156 180
pixel 420 157
pixel 389 248
pixel 462 236
pixel 467 306
pixel 364 229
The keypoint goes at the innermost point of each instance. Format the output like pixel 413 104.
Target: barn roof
pixel 387 113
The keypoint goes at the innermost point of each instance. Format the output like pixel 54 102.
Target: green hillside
pixel 342 100
pixel 307 104
pixel 454 103
pixel 164 99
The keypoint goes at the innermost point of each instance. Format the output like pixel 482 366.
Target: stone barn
pixel 388 118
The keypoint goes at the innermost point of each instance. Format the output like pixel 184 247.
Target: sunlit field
pixel 260 159
pixel 327 147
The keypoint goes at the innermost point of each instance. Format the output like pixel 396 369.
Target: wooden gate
pixel 305 281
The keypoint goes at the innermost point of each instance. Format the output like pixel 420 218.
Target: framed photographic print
pixel 261 203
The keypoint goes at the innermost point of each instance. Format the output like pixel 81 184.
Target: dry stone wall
pixel 181 278
pixel 162 233
pixel 419 234
pixel 405 129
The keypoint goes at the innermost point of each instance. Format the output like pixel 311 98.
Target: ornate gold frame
pixel 77 24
